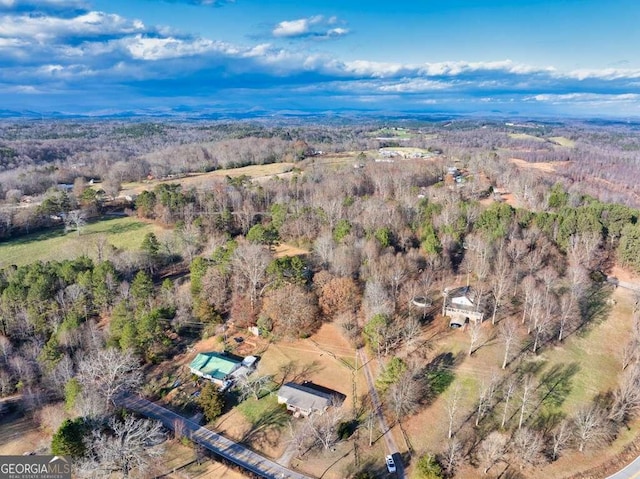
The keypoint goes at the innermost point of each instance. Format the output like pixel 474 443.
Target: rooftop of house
pixel 216 365
pixel 462 291
pixel 308 397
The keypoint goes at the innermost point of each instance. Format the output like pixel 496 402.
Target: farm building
pixel 462 305
pixel 220 368
pixel 307 398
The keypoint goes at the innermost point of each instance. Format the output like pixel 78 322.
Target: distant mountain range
pixel 188 113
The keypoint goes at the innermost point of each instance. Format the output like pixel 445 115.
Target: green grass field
pixel 525 136
pixel 562 141
pixel 392 133
pixel 201 180
pixel 568 375
pixel 55 244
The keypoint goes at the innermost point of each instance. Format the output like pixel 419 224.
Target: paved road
pixel 632 471
pixel 386 431
pixel 234 452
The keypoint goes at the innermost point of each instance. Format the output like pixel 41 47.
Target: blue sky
pixel 530 57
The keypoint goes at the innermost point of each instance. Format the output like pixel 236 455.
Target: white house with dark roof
pixel 462 305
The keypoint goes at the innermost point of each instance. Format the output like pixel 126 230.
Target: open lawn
pixel 408 150
pixel 399 133
pixel 201 180
pixel 55 244
pixel 563 141
pixel 568 375
pixel 337 159
pixel 525 136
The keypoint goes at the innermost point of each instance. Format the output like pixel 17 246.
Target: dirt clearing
pixel 543 166
pixel 284 249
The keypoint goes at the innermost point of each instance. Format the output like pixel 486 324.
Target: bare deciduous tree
pixel 491 450
pixel 377 299
pixel 452 404
pixel 253 387
pixel 318 430
pixel 541 330
pixel 502 274
pixel 590 427
pixel 508 391
pixel 104 375
pixel 5 348
pixel 626 397
pixel 485 398
pixel 560 438
pixel 250 262
pixel 583 249
pixel 24 369
pixel 128 446
pixel 527 390
pixel 404 396
pixel 215 288
pixel 629 353
pixel 568 313
pixel 452 456
pixel 75 219
pixel 508 333
pixel 6 381
pixel 526 446
pixel 410 329
pixel 475 335
pixel 528 286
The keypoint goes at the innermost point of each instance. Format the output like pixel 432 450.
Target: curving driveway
pixel 232 451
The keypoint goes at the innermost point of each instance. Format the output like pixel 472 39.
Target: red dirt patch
pixel 624 274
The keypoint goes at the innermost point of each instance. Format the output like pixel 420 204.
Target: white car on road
pixel 391 465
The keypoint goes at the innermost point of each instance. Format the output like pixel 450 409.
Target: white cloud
pixel 317 27
pixel 414 86
pixel 44 3
pixel 336 32
pixel 51 68
pixel 376 69
pixel 153 49
pixel 27 89
pixel 604 74
pixel 46 28
pixel 207 3
pixel 460 67
pixel 585 97
pixel 11 43
pixel 292 28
